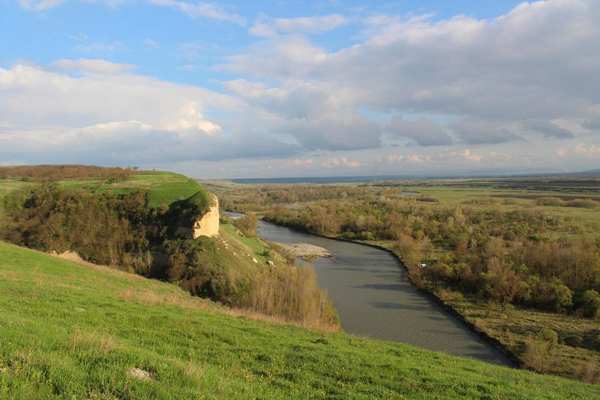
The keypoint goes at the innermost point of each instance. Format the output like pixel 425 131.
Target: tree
pixel 247 224
pixel 504 283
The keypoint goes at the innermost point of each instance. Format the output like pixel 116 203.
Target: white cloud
pixel 265 26
pixel 40 5
pixel 340 162
pixel 80 37
pixel 589 150
pixel 202 10
pixel 507 78
pixel 47 115
pixel 101 47
pixel 84 65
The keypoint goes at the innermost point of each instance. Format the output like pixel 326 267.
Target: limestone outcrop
pixel 208 225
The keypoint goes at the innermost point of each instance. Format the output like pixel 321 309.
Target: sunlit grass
pixel 73 331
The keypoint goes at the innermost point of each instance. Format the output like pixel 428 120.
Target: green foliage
pixel 69 331
pixel 573 340
pixel 548 336
pixel 105 229
pixel 247 224
pixel 590 303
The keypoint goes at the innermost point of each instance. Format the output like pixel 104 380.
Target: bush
pixel 247 224
pixel 537 355
pixel 292 294
pixel 549 336
pixel 573 340
pixel 590 303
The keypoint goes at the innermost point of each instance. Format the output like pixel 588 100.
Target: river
pixel 369 292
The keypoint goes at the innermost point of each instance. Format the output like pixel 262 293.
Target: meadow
pixel 74 331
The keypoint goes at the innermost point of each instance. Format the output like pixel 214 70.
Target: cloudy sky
pixel 302 88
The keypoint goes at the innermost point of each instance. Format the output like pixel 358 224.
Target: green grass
pixel 71 331
pixel 258 246
pixel 164 188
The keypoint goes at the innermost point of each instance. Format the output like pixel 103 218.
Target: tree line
pixel 63 172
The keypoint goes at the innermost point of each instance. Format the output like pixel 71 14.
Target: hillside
pixel 69 330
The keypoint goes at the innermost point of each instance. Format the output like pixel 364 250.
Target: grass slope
pixel 72 331
pixel 164 188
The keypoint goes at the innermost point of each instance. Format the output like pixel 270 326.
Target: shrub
pixel 247 224
pixel 573 340
pixel 590 372
pixel 590 302
pixel 537 355
pixel 549 336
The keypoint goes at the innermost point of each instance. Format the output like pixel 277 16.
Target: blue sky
pixel 301 88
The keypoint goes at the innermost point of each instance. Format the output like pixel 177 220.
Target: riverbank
pixel 447 307
pixel 516 331
pixel 369 289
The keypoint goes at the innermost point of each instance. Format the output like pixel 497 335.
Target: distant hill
pixel 592 171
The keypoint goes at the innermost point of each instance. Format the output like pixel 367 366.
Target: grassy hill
pixel 164 188
pixel 74 331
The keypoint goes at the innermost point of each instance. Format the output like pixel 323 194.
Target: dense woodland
pixel 117 230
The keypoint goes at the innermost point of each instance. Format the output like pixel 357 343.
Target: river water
pixel 369 292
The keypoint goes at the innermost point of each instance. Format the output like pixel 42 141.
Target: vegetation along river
pixel 369 292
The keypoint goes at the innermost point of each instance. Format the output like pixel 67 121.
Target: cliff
pixel 208 225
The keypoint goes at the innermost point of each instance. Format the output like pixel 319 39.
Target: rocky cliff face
pixel 208 225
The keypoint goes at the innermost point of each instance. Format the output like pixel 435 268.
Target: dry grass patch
pixel 150 298
pixel 97 342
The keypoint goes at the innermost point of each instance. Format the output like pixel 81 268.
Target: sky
pixel 248 89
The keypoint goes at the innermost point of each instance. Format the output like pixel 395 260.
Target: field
pixel 74 331
pixel 457 193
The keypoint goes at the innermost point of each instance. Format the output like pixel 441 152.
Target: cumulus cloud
pixel 590 150
pixel 340 162
pixel 504 77
pixel 47 115
pixel 422 131
pixel 84 65
pixel 265 26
